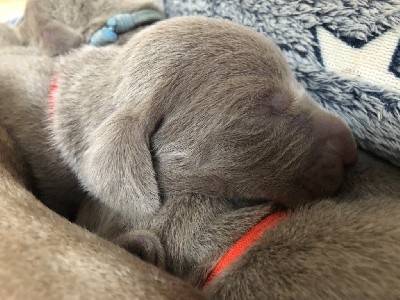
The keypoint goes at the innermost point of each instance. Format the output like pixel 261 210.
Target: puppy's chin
pixel 302 196
pixel 322 179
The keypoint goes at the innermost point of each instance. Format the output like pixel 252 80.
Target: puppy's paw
pixel 144 244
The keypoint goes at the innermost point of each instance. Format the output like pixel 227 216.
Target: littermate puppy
pixel 25 76
pixel 344 247
pixel 189 105
pixel 43 256
pixel 55 26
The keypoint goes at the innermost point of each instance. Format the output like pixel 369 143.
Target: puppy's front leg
pixel 105 222
pixel 170 239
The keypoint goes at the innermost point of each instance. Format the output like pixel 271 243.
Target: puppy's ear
pixel 52 36
pixel 118 164
pixel 56 38
pixel 9 36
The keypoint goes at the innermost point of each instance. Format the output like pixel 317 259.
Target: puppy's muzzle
pixel 335 151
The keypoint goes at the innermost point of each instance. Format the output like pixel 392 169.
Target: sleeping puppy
pixel 185 107
pixel 57 26
pixel 345 247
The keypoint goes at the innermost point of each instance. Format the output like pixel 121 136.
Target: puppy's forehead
pixel 301 98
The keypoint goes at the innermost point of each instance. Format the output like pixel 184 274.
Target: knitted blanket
pixel 345 52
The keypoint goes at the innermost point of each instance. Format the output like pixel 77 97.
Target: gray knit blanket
pixel 345 52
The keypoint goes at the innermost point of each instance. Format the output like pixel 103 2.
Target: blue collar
pixel 123 23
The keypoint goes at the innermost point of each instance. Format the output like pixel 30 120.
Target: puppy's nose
pixel 335 151
pixel 337 137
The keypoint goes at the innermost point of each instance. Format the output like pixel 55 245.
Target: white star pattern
pixel 369 63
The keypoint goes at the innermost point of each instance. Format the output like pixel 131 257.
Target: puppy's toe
pixel 145 245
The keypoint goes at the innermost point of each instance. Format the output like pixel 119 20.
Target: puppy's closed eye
pixel 279 102
pixel 269 105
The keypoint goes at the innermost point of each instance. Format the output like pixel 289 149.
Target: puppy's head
pixel 220 112
pixel 238 124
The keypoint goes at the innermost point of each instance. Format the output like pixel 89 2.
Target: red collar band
pixel 52 96
pixel 244 243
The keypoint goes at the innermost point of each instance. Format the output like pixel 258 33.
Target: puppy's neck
pixel 88 81
pixel 250 238
pixel 197 237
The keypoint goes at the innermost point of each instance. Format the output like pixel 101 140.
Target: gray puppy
pixel 56 26
pixel 43 256
pixel 344 248
pixel 188 106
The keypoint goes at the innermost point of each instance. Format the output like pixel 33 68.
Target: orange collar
pixel 244 243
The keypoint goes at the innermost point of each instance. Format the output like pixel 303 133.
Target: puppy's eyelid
pixel 279 103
